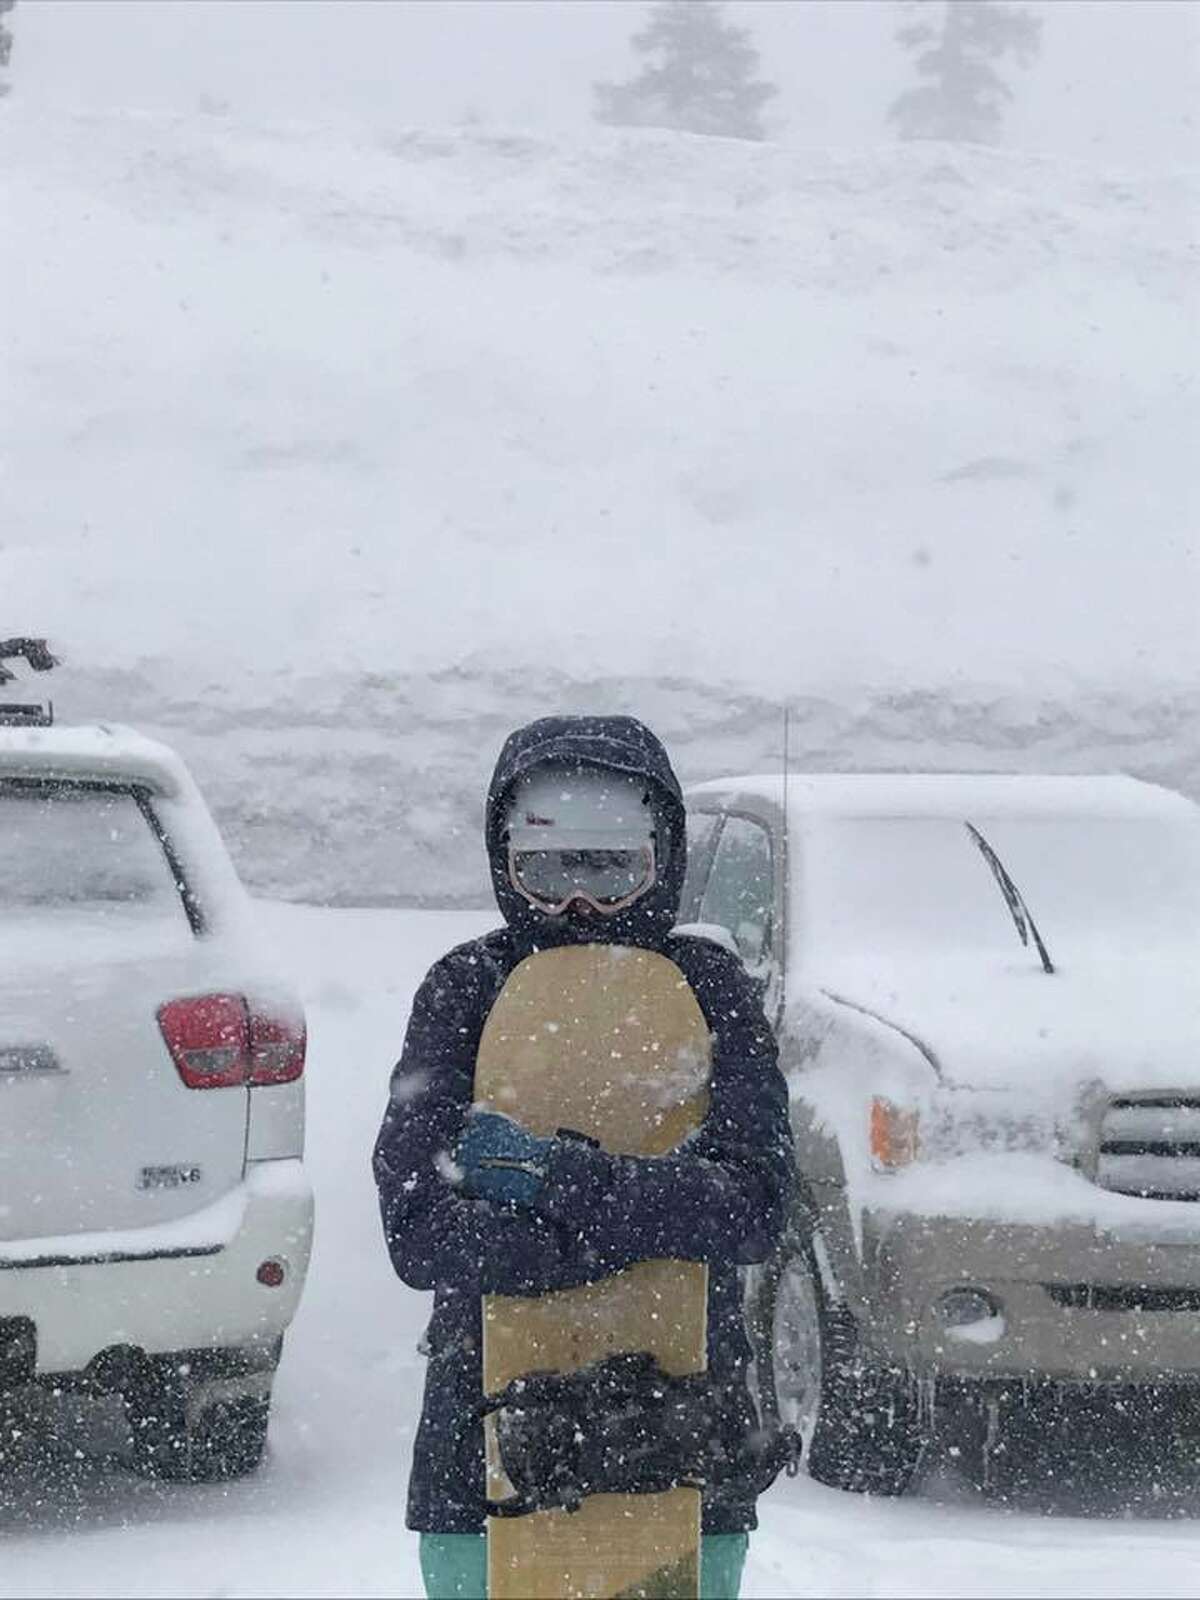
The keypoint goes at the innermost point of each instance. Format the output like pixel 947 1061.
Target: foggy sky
pixel 1118 80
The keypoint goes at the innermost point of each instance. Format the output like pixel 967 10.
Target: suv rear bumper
pixel 1075 1304
pixel 190 1285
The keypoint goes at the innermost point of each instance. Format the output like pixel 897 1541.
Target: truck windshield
pixel 66 850
pixel 1098 884
pixel 1022 917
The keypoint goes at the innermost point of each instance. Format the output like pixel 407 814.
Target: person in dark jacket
pixel 462 1230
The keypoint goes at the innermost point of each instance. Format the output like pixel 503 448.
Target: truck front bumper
pixel 1072 1302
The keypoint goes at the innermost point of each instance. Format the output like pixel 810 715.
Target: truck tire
pixel 860 1419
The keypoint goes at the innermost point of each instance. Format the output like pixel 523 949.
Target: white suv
pixel 155 1217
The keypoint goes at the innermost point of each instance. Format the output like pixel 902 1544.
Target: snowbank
pixel 334 452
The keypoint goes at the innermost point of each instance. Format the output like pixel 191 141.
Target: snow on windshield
pixel 906 883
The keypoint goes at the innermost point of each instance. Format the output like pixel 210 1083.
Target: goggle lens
pixel 606 879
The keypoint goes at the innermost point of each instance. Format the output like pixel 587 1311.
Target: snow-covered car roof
pixel 101 751
pixel 953 794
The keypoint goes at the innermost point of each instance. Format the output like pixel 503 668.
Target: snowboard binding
pixel 624 1426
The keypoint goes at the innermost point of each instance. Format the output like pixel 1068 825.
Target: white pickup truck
pixel 985 993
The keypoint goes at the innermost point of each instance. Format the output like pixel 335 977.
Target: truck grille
pixel 1122 1297
pixel 1150 1146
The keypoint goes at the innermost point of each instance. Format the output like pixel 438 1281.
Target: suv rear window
pixel 65 848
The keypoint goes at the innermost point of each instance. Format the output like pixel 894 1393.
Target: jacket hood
pixel 614 744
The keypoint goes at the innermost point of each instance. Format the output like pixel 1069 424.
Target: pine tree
pixel 6 41
pixel 698 76
pixel 964 96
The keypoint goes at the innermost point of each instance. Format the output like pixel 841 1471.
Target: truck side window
pixel 701 827
pixel 740 891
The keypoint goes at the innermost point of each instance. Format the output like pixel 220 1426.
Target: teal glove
pixel 500 1160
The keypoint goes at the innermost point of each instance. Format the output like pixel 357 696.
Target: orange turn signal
pixel 894 1140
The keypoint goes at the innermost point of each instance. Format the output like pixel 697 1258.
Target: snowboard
pixel 610 1041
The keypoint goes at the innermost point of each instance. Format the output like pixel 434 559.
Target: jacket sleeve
pixel 723 1195
pixel 434 1233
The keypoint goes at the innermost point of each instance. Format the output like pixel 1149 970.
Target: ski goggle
pixel 607 880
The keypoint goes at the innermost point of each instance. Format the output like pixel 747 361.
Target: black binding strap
pixel 624 1426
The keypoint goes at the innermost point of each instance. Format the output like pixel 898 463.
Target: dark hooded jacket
pixel 720 1198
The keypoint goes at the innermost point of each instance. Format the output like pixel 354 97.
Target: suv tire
pixel 175 1441
pixel 860 1419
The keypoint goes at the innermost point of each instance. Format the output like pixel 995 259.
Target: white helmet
pixel 581 833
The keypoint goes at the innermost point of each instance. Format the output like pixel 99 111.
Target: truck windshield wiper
pixel 1021 913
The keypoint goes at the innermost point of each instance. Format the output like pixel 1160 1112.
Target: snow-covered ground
pixel 326 1514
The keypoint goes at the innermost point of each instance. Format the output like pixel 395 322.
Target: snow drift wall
pixel 369 790
pixel 329 456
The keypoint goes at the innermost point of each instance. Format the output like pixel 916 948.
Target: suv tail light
pixel 207 1037
pixel 276 1048
pixel 217 1042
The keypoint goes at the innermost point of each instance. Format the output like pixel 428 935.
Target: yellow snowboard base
pixel 610 1041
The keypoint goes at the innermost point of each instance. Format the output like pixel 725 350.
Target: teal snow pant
pixel 454 1565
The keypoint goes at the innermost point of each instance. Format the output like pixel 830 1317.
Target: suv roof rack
pixel 36 653
pixel 27 716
